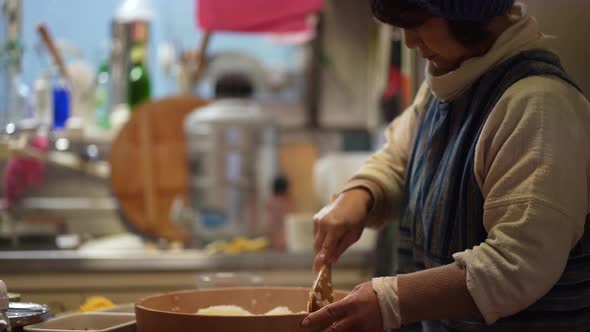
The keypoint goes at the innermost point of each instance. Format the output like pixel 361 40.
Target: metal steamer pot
pixel 232 161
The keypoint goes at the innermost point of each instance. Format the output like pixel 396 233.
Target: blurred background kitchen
pixel 148 146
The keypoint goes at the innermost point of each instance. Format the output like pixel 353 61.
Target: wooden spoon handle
pixel 48 40
pixel 321 292
pixel 201 56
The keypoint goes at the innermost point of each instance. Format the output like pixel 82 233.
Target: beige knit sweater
pixel 533 168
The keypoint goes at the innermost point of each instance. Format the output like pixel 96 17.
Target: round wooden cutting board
pixel 149 166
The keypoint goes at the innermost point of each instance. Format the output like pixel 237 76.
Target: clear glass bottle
pixel 4 303
pixel 103 82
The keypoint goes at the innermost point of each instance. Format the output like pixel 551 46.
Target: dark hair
pixel 407 15
pixel 470 33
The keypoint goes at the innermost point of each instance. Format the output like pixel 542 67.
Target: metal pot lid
pixel 23 314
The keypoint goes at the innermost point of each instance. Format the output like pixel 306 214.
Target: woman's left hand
pixel 358 312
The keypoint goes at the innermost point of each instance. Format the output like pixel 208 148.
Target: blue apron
pixel 442 211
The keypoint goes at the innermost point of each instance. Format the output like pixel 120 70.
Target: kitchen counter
pixel 153 261
pixel 64 279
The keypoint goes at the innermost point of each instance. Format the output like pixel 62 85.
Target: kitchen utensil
pixel 149 167
pixel 321 293
pixel 232 161
pixel 23 314
pixel 201 55
pixel 174 312
pixel 48 40
pixel 193 63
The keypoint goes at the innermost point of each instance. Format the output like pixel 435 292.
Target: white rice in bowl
pixel 234 310
pixel 224 310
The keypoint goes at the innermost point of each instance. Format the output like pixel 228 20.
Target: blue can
pixel 61 106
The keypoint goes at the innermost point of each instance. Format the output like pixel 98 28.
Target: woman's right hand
pixel 339 225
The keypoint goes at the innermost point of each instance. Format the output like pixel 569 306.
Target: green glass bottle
pixel 103 114
pixel 139 85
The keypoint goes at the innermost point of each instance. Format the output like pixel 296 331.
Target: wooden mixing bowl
pixel 175 312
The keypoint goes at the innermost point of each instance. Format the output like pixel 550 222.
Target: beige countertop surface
pixel 182 260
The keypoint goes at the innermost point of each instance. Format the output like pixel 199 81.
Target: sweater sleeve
pixel 532 167
pixel 383 174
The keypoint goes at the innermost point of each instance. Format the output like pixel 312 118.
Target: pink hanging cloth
pixel 271 16
pixel 23 173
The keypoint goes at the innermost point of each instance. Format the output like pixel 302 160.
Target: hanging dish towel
pixel 22 173
pixel 277 16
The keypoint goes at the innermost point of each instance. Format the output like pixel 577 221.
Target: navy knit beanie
pixel 467 10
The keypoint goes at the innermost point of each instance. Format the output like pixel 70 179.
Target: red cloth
pixel 22 173
pixel 256 15
pixel 395 82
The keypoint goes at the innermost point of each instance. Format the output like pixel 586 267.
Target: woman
pixel 489 174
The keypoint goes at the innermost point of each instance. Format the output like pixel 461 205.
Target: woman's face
pixel 435 42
